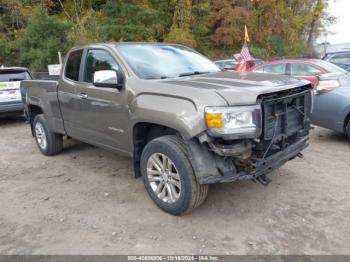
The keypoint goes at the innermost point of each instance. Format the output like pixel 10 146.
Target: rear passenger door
pixel 67 91
pixel 103 118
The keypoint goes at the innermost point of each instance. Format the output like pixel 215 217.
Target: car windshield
pixel 331 67
pixel 165 61
pixel 11 76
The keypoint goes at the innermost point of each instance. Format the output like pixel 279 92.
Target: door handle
pixel 83 96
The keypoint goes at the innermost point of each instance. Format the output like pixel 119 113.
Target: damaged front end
pixel 283 134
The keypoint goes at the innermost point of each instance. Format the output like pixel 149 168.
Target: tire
pixel 48 142
pixel 187 193
pixel 347 129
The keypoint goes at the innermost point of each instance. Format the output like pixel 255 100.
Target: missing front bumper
pixel 211 168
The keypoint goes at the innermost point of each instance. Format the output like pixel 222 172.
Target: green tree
pixel 180 31
pixel 128 21
pixel 201 31
pixel 40 41
pixel 214 27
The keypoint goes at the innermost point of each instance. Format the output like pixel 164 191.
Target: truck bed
pixel 44 95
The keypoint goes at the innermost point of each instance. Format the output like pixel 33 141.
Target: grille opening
pixel 285 115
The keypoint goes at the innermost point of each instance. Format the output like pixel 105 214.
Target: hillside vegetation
pixel 33 31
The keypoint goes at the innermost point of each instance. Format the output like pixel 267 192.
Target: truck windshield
pixel 11 76
pixel 165 61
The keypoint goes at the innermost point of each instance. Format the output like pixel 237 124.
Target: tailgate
pixel 9 91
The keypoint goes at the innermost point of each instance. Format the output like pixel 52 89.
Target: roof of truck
pixel 113 44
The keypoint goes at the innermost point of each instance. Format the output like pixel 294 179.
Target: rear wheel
pixel 49 143
pixel 168 176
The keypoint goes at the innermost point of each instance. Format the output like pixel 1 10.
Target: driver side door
pixel 103 116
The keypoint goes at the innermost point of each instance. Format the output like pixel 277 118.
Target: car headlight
pixel 234 122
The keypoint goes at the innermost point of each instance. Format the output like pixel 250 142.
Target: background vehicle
pixel 10 96
pixel 185 123
pixel 231 64
pixel 307 69
pixel 340 58
pixel 332 103
pixel 226 64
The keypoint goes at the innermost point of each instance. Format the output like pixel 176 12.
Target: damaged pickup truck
pixel 185 123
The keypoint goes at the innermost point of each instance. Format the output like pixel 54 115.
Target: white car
pixel 10 94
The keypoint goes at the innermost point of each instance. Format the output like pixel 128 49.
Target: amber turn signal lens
pixel 213 120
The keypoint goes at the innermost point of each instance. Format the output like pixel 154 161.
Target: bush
pixel 41 40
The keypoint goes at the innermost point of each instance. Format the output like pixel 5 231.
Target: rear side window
pixel 73 65
pixel 230 65
pixel 275 69
pixel 14 75
pixel 304 70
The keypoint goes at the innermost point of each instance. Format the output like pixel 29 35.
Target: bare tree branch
pixel 64 10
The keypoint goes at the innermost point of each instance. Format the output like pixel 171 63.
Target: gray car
pixel 332 103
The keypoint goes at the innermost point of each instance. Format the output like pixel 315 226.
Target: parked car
pixel 10 96
pixel 340 58
pixel 226 64
pixel 186 123
pixel 332 103
pixel 307 69
pixel 232 64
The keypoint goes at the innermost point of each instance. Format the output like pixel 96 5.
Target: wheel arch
pixel 33 111
pixel 346 121
pixel 142 133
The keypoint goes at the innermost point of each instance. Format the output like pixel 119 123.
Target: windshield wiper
pixel 193 73
pixel 158 77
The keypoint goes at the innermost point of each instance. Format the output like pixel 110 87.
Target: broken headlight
pixel 234 122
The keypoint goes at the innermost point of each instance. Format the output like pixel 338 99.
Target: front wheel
pixel 49 143
pixel 347 129
pixel 169 177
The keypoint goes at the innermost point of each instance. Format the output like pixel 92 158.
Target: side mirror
pixel 106 78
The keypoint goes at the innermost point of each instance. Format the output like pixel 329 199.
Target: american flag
pixel 244 56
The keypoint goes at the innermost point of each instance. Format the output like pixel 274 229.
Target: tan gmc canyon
pixel 185 123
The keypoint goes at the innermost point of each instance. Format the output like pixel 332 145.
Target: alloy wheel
pixel 163 178
pixel 40 135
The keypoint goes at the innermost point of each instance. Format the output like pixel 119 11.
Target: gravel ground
pixel 86 201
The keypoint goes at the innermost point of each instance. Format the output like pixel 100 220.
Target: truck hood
pixel 239 88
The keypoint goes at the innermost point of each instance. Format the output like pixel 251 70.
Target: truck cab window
pixel 98 60
pixel 73 65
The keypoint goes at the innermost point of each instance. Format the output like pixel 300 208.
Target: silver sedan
pixel 332 103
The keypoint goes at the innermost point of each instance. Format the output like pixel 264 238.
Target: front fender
pixel 179 113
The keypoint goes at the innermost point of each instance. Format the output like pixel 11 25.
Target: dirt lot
pixel 86 201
